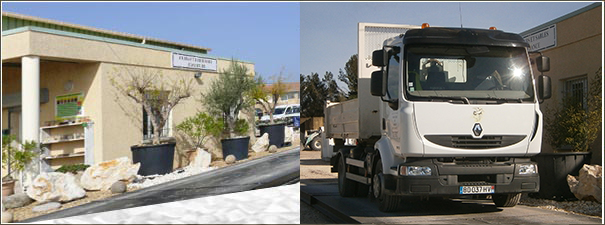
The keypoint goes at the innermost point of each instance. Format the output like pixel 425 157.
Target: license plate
pixel 476 190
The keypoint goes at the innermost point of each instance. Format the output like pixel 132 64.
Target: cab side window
pixel 393 76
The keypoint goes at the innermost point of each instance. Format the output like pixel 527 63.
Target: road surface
pixel 270 171
pixel 319 188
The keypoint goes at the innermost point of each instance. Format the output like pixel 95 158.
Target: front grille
pixel 468 142
pixel 479 179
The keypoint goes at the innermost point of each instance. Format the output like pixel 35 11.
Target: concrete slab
pixel 365 210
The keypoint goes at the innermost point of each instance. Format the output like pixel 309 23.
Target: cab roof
pixel 463 36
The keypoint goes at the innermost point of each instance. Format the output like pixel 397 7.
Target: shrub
pixel 571 125
pixel 72 168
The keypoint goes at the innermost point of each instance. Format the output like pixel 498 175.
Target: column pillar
pixel 30 98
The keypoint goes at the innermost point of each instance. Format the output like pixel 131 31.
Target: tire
pixel 362 190
pixel 386 202
pixel 316 143
pixel 506 200
pixel 346 187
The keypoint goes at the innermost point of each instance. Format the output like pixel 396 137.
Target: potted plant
pixel 229 94
pixel 261 94
pixel 571 128
pixel 198 128
pixel 157 96
pixel 15 159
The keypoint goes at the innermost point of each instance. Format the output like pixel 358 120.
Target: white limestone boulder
pixel 261 144
pixel 587 186
pixel 201 160
pixel 55 187
pixel 102 175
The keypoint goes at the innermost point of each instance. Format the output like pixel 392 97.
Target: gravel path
pixel 578 207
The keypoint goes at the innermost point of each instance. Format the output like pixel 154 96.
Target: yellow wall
pixel 15 45
pixel 122 126
pixel 578 53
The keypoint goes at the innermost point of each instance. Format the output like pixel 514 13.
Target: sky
pixel 289 37
pixel 329 30
pixel 266 34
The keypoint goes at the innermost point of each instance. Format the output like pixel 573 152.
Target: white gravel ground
pixel 158 179
pixel 579 207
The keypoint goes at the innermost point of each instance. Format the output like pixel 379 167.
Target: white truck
pixel 444 112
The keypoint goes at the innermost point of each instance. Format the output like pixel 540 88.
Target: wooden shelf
pixel 79 154
pixel 61 141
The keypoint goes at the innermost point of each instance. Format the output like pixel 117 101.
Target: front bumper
pixel 448 178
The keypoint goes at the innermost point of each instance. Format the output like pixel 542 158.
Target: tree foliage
pixel 15 157
pixel 313 95
pixel 316 90
pixel 573 124
pixel 349 76
pixel 229 94
pixel 334 93
pixel 261 93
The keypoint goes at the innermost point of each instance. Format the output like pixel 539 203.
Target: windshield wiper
pixel 461 98
pixel 519 100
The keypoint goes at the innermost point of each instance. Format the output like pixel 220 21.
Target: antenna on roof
pixel 460 11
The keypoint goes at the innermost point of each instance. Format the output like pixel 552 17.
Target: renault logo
pixel 477 129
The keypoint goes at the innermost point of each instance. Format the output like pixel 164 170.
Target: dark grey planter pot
pixel 276 133
pixel 237 147
pixel 154 159
pixel 553 169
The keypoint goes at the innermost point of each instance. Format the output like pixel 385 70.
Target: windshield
pixel 468 73
pixel 279 111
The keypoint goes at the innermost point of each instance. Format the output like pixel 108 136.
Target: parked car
pixel 284 113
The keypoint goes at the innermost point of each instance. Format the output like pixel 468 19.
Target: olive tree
pixel 148 88
pixel 261 94
pixel 229 94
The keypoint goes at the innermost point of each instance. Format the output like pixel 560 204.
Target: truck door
pixel 389 108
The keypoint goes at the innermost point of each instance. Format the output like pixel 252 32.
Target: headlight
pixel 415 171
pixel 525 169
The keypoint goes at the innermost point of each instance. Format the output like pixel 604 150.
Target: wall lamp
pixel 197 75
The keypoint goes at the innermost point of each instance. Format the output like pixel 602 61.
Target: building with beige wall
pixel 53 70
pixel 574 44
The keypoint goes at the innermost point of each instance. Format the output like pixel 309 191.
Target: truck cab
pixel 459 115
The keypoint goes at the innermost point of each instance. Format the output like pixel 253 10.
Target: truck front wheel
pixel 386 202
pixel 346 187
pixel 506 200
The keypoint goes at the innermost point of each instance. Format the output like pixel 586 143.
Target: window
pixel 291 95
pixel 284 97
pixel 576 91
pixel 393 76
pixel 148 130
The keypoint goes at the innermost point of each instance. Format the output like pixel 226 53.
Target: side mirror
pixel 378 83
pixel 544 87
pixel 543 63
pixel 379 58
